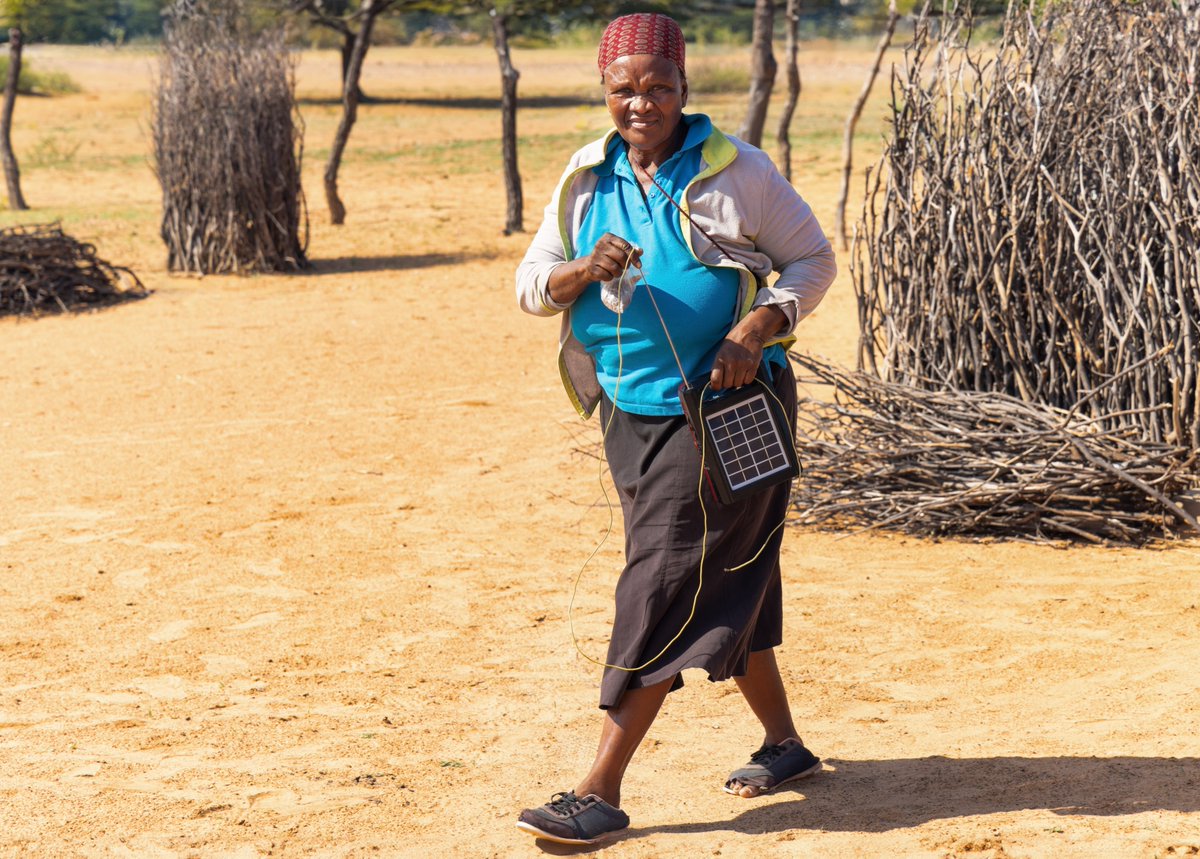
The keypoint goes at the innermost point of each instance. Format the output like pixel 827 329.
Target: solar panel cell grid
pixel 746 441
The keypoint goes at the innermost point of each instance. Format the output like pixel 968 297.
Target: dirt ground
pixel 285 560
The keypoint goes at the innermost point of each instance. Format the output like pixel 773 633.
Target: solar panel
pixel 744 438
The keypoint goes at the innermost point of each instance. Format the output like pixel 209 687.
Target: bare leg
pixel 624 728
pixel 763 689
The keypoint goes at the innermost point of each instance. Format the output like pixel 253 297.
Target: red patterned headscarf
pixel 642 33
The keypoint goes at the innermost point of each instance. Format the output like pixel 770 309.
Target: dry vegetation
pixel 1033 230
pixel 227 146
pixel 980 464
pixel 43 269
pixel 1030 235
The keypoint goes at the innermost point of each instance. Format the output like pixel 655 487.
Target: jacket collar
pixel 716 152
pixel 697 129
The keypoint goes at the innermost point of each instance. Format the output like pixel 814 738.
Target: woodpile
pixel 42 269
pixel 880 454
pixel 1028 279
pixel 228 144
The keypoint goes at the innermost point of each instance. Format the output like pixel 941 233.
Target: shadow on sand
pixel 397 262
pixel 879 796
pixel 468 103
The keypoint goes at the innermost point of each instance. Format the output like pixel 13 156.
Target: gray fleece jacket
pixel 738 197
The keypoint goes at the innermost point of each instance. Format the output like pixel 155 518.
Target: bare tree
pixel 335 15
pixel 507 16
pixel 793 79
pixel 514 217
pixel 852 121
pixel 12 173
pixel 369 11
pixel 355 26
pixel 762 72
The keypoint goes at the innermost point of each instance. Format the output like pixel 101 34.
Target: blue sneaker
pixel 567 819
pixel 773 766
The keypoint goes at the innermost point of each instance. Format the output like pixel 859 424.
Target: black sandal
pixel 772 767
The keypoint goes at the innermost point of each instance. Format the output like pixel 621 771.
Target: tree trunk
pixel 513 222
pixel 348 41
pixel 12 173
pixel 762 72
pixel 370 11
pixel 793 79
pixel 852 122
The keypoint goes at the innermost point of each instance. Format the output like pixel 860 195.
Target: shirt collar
pixel 698 126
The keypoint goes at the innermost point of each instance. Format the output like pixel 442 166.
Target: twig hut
pixel 228 144
pixel 1035 225
pixel 1032 236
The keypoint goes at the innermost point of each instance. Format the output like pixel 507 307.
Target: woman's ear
pixel 683 91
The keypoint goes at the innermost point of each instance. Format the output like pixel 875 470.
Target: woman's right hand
pixel 607 261
pixel 610 256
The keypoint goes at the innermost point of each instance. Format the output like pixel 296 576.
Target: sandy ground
pixel 284 561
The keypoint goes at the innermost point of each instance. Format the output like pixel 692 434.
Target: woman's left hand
pixel 740 353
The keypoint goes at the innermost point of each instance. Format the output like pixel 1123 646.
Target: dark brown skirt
pixel 656 468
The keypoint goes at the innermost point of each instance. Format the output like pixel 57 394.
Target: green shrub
pixel 34 82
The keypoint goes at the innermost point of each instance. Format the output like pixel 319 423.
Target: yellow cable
pixel 699 495
pixel 608 531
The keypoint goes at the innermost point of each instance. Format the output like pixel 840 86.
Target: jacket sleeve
pixel 545 253
pixel 788 233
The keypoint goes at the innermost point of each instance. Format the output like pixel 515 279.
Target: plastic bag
pixel 618 292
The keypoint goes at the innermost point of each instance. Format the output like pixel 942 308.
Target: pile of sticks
pixel 1028 279
pixel 878 454
pixel 43 269
pixel 228 143
pixel 1034 229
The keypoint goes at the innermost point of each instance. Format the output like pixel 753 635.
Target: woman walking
pixel 702 218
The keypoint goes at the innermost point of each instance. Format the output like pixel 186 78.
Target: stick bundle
pixel 1035 227
pixel 44 269
pixel 882 454
pixel 228 144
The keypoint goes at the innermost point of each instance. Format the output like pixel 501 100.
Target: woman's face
pixel 645 96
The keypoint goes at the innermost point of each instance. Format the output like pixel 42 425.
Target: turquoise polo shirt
pixel 696 300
